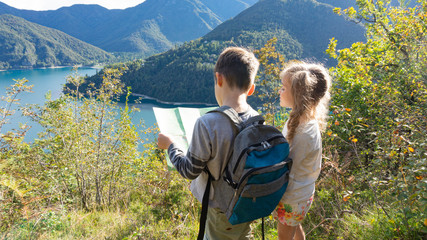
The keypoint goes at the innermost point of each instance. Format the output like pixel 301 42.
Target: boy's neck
pixel 237 102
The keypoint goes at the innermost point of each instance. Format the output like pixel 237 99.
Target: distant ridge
pixel 185 74
pixel 303 28
pixel 28 45
pixel 151 27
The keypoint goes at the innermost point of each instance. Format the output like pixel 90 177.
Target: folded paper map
pixel 178 123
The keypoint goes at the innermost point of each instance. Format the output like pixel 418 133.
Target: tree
pixel 89 145
pixel 269 83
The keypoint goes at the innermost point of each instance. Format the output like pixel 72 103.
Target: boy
pixel 212 140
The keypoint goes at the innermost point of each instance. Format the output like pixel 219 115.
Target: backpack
pixel 257 172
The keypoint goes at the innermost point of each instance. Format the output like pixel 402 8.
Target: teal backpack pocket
pixel 248 209
pixel 259 196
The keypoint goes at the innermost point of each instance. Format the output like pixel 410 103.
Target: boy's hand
pixel 164 141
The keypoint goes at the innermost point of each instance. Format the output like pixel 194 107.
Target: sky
pixel 55 4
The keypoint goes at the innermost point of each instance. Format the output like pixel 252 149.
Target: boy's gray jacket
pixel 211 146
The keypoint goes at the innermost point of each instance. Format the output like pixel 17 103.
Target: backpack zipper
pixel 249 173
pixel 263 143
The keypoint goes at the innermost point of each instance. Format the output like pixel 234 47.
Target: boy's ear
pixel 219 79
pixel 251 90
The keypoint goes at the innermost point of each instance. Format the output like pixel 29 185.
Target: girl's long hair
pixel 310 86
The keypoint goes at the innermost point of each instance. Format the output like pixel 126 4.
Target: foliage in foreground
pixel 376 144
pixel 373 183
pixel 85 177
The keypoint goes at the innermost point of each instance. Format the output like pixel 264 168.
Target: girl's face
pixel 286 97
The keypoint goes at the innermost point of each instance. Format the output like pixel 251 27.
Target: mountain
pixel 156 25
pixel 303 28
pixel 226 9
pixel 26 45
pixel 78 20
pixel 185 74
pixel 339 3
pixel 150 27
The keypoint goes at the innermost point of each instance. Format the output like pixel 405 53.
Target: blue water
pixel 45 80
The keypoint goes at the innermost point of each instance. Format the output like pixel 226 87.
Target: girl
pixel 306 90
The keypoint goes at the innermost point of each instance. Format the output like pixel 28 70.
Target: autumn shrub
pixel 86 156
pixel 376 140
pixel 17 181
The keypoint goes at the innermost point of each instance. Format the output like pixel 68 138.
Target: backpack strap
pixel 205 204
pixel 238 125
pixel 262 229
pixel 232 115
pixel 253 120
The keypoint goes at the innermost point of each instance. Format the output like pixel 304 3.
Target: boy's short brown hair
pixel 239 67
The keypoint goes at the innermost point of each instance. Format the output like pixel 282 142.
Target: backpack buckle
pixel 266 145
pixel 230 182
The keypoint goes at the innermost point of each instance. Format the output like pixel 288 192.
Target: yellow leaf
pixel 410 149
pixel 329 133
pixel 354 140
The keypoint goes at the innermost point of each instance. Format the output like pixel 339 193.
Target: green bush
pixel 376 138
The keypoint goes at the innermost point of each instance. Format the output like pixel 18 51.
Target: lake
pixel 53 79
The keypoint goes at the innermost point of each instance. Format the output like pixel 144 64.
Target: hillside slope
pixel 304 24
pixel 27 45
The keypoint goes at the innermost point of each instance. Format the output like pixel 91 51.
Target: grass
pixel 164 212
pixel 162 207
pixel 171 212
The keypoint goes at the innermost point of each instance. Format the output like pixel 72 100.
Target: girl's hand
pixel 164 141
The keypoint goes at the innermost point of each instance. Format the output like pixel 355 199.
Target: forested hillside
pixel 28 45
pixel 185 73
